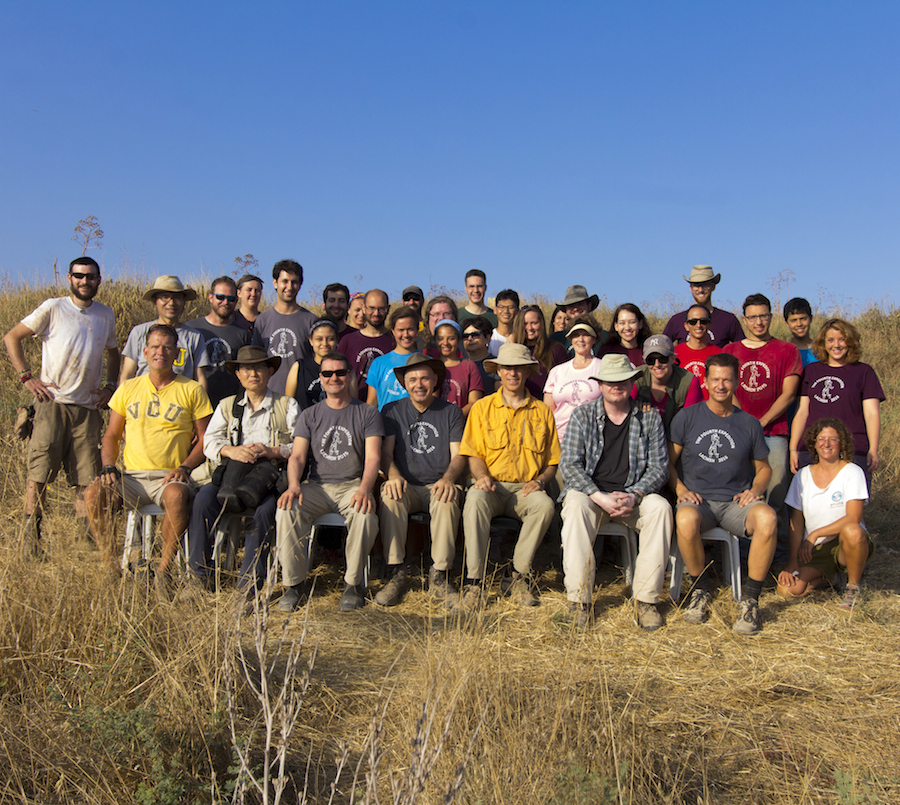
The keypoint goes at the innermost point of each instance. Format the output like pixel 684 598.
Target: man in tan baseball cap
pixel 724 327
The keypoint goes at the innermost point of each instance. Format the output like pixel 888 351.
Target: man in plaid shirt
pixel 614 458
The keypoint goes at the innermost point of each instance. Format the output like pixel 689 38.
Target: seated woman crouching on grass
pixel 827 533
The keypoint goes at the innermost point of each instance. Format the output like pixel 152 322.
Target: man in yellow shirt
pixel 162 412
pixel 513 451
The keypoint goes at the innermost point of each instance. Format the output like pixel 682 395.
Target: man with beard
pixel 336 301
pixel 369 343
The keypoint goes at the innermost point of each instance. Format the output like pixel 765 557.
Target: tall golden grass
pixel 108 696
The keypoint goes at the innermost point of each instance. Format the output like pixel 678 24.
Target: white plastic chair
pixel 628 546
pixel 139 534
pixel 333 520
pixel 731 555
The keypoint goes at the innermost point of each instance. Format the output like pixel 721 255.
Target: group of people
pixel 466 413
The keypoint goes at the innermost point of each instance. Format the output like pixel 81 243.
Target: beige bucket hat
pixel 615 368
pixel 169 283
pixel 702 274
pixel 512 355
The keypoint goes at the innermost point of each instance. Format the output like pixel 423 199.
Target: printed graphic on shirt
pixel 451 390
pixel 153 411
pixel 336 443
pixel 283 342
pixel 314 391
pixel 218 351
pixel 755 376
pixel 365 358
pixel 578 391
pixel 827 389
pixel 837 499
pixel 423 437
pixel 710 444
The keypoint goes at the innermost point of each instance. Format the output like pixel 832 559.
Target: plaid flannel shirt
pixel 582 447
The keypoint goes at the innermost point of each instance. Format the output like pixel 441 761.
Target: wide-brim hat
pixel 417 361
pixel 512 355
pixel 660 344
pixel 578 293
pixel 615 368
pixel 169 283
pixel 252 356
pixel 702 274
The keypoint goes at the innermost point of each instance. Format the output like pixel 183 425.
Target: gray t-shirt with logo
pixel 718 455
pixel 285 335
pixel 222 344
pixel 422 446
pixel 337 439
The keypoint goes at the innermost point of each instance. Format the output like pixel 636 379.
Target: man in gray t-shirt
pixel 340 438
pixel 422 463
pixel 719 472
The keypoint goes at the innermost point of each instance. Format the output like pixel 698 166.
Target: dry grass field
pixel 108 696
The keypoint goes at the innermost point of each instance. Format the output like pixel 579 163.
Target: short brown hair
pixel 812 433
pixel 724 359
pixel 400 313
pixel 851 336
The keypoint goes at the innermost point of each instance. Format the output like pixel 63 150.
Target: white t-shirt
pixel 822 507
pixel 570 388
pixel 497 341
pixel 74 339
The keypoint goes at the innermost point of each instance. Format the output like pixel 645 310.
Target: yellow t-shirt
pixel 159 424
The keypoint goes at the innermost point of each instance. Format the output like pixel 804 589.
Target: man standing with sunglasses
pixel 75 332
pixel 692 354
pixel 724 326
pixel 223 339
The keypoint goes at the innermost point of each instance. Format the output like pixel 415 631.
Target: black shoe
pixel 293 597
pixel 352 598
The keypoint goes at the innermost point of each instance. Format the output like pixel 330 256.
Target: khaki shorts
pixel 825 557
pixel 141 488
pixel 65 436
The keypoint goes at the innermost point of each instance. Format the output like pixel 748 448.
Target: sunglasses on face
pixel 338 372
pixel 79 275
pixel 411 297
pixel 470 336
pixel 224 297
pixel 663 360
pixel 695 322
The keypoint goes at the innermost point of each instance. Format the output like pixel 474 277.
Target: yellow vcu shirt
pixel 515 443
pixel 159 423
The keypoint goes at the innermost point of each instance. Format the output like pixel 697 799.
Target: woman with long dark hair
pixel 627 333
pixel 530 329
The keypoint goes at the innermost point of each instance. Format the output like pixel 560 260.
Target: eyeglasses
pixel 378 307
pixel 474 334
pixel 761 317
pixel 338 372
pixel 224 297
pixel 507 308
pixel 828 440
pixel 654 359
pixel 79 275
pixel 695 322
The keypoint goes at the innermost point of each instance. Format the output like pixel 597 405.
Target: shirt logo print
pixel 336 443
pixel 419 438
pixel 825 389
pixel 283 342
pixel 711 454
pixel 755 376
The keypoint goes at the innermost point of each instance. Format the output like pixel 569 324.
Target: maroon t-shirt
pixel 762 376
pixel 459 381
pixel 839 391
pixel 362 350
pixel 724 328
pixel 535 384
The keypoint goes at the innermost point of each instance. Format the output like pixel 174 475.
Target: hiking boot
pixel 697 608
pixel 648 616
pixel 441 589
pixel 352 598
pixel 31 539
pixel 391 593
pixel 292 597
pixel 579 613
pixel 164 583
pixel 518 588
pixel 852 596
pixel 748 621
pixel 193 589
pixel 471 599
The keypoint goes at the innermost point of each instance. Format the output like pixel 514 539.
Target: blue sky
pixel 609 144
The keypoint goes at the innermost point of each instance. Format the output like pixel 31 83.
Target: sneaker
pixel 352 598
pixel 441 589
pixel 648 616
pixel 519 590
pixel 748 620
pixel 852 596
pixel 391 593
pixel 579 613
pixel 471 599
pixel 292 598
pixel 697 608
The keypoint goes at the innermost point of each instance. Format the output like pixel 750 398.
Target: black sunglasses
pixel 79 275
pixel 663 359
pixel 694 322
pixel 473 334
pixel 410 296
pixel 338 372
pixel 223 297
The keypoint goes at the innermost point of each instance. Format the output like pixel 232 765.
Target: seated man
pixel 254 427
pixel 719 472
pixel 421 460
pixel 613 459
pixel 341 439
pixel 513 451
pixel 159 414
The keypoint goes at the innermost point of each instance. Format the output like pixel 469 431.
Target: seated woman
pixel 662 384
pixel 572 383
pixel 462 384
pixel 627 333
pixel 530 329
pixel 827 531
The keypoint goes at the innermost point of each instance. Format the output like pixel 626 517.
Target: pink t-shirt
pixel 570 387
pixel 459 381
pixel 694 360
pixel 762 376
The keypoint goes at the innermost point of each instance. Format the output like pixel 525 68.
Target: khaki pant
pixel 444 525
pixel 652 519
pixel 294 525
pixel 534 510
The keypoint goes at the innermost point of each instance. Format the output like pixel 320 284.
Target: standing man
pixel 506 306
pixel 476 288
pixel 578 302
pixel 513 451
pixel 249 292
pixel 614 459
pixel 692 354
pixel 422 464
pixel 75 332
pixel 372 341
pixel 223 338
pixel 719 474
pixel 336 301
pixel 340 438
pixel 414 298
pixel 769 377
pixel 283 330
pixel 724 326
pixel 169 296
pixel 163 417
pixel 384 385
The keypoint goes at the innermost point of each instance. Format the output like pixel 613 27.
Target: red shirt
pixel 694 360
pixel 762 376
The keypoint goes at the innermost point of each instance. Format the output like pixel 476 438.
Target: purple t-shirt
pixel 362 350
pixel 839 391
pixel 724 328
pixel 459 381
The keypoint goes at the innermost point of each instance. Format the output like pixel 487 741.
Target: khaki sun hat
pixel 250 356
pixel 512 355
pixel 419 361
pixel 702 274
pixel 582 325
pixel 578 293
pixel 615 368
pixel 169 283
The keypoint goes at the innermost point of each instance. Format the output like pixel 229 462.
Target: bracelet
pixel 184 469
pixel 25 376
pixel 111 386
pixel 543 485
pixel 109 468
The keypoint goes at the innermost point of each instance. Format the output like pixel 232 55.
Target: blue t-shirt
pixel 382 378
